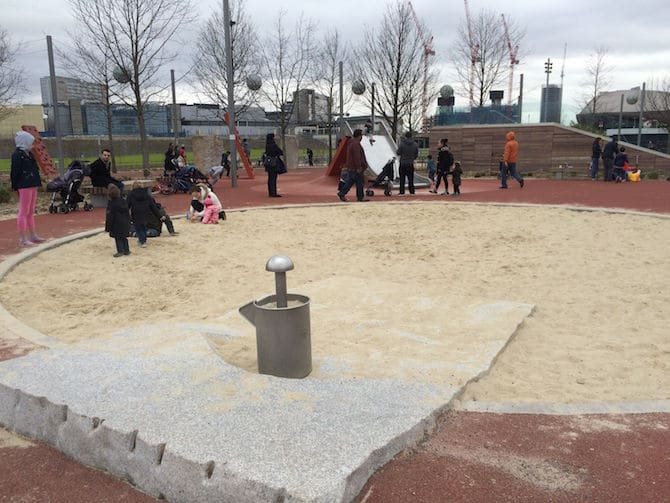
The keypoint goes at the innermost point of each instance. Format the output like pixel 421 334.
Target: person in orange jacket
pixel 510 157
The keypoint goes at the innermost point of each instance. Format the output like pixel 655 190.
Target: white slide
pixel 379 152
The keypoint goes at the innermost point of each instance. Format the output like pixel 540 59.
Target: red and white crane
pixel 474 50
pixel 427 52
pixel 513 51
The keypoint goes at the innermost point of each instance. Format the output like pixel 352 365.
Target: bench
pixel 98 195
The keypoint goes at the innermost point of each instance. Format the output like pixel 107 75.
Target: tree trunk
pixel 110 136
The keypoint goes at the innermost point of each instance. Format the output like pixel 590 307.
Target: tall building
pixel 552 98
pixel 312 107
pixel 71 89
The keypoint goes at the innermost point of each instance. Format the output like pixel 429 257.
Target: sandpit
pixel 598 281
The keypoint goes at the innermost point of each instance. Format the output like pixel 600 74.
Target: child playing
pixel 456 178
pixel 141 205
pixel 196 209
pixel 211 213
pixel 430 165
pixel 117 220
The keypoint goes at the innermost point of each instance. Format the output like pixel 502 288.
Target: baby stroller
pixel 384 180
pixel 186 177
pixel 167 184
pixel 67 187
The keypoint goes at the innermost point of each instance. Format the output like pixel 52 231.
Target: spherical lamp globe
pixel 121 75
pixel 632 95
pixel 358 87
pixel 446 91
pixel 254 82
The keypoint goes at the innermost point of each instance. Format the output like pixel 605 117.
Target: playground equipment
pixel 240 150
pixel 283 339
pixel 378 148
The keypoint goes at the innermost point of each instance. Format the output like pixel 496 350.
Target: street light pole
pixel 639 122
pixel 547 70
pixel 231 93
pixel 175 119
pixel 54 102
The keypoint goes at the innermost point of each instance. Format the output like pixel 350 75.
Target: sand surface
pixel 598 281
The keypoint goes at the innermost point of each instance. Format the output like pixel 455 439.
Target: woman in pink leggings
pixel 25 176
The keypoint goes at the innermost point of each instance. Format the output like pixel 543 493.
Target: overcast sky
pixel 636 34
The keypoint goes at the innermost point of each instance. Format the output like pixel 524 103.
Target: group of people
pixel 445 166
pixel 205 206
pixel 615 161
pixel 175 158
pixel 136 215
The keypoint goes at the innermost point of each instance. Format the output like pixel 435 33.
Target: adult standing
pixel 310 157
pixel 445 159
pixel 246 148
pixel 510 157
pixel 355 167
pixel 273 159
pixel 609 153
pixel 101 171
pixel 408 150
pixel 596 152
pixel 25 178
pixel 225 161
pixel 168 164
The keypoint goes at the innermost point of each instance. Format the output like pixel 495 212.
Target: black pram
pixel 385 178
pixel 67 187
pixel 188 176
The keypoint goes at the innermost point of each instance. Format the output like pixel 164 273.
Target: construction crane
pixel 474 50
pixel 427 52
pixel 513 51
pixel 565 52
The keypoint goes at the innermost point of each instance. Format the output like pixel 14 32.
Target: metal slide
pixel 380 148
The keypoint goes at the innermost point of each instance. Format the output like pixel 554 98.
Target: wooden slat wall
pixel 542 148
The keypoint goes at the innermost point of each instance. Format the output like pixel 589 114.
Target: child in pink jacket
pixel 211 215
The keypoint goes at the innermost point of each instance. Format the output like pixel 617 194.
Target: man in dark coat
pixel 609 153
pixel 355 167
pixel 101 172
pixel 408 152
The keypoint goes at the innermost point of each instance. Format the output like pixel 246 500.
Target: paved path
pixel 471 456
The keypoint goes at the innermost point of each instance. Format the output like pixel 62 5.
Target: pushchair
pixel 186 177
pixel 67 187
pixel 167 184
pixel 384 179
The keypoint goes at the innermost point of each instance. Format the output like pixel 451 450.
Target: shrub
pixel 652 176
pixel 5 194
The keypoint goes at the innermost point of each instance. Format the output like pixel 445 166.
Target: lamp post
pixel 547 69
pixel 54 102
pixel 175 119
pixel 231 92
pixel 639 122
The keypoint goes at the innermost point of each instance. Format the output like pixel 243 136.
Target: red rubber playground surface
pixel 469 456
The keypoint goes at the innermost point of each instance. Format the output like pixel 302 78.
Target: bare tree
pixel 286 58
pixel 325 77
pixel 491 55
pixel 657 102
pixel 210 62
pixel 598 78
pixel 11 85
pixel 135 37
pixel 81 58
pixel 390 57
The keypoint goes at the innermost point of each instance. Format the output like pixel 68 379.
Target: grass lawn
pixel 123 162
